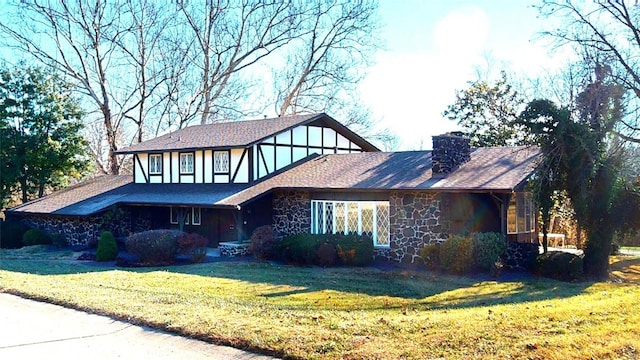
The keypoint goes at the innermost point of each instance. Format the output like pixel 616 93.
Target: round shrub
pixel 154 247
pixel 488 248
pixel 456 254
pixel 35 237
pixel 107 247
pixel 431 255
pixel 327 255
pixel 194 246
pixel 299 249
pixel 560 265
pixel 263 240
pixel 59 240
pixel 354 249
pixel 11 234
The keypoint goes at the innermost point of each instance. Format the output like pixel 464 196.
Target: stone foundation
pixel 234 248
pixel 414 221
pixel 521 256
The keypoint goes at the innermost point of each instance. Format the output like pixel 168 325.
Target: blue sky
pixel 435 47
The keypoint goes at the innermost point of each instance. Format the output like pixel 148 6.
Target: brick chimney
pixel 450 150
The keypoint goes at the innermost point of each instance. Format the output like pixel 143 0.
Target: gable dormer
pixel 239 152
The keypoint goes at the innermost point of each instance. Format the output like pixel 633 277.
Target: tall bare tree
pixel 610 29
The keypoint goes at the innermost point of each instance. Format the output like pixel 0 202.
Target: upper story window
pixel 186 163
pixel 221 161
pixel 521 214
pixel 155 164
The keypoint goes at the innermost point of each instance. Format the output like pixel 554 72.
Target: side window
pixel 221 162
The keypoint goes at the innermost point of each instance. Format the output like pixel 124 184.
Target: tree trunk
pixel 596 255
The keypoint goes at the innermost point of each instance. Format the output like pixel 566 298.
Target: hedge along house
pixel 303 174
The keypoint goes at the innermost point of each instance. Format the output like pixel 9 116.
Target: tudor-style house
pixel 305 173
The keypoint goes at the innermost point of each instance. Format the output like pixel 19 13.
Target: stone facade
pixel 415 220
pixel 232 249
pixel 292 212
pixel 521 256
pixel 85 231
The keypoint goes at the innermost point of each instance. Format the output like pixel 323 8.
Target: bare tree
pixel 326 62
pixel 610 30
pixel 71 36
pixel 227 38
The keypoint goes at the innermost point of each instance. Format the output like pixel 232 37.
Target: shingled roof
pixel 235 134
pixel 498 169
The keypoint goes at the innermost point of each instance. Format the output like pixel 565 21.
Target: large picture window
pixel 521 214
pixel 186 163
pixel 362 217
pixel 155 164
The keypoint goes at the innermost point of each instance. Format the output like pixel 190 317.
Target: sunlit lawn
pixel 352 313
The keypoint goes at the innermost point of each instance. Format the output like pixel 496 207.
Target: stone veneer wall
pixel 292 212
pixel 521 256
pixel 80 231
pixel 415 220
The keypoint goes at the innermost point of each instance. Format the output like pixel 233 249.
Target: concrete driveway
pixel 32 330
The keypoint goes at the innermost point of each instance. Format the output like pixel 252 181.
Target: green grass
pixel 350 313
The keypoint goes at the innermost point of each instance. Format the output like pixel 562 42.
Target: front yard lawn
pixel 352 313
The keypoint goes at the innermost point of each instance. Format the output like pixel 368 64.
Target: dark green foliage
pixel 35 237
pixel 352 249
pixel 107 247
pixel 327 255
pixel 154 247
pixel 41 146
pixel 560 265
pixel 263 240
pixel 59 240
pixel 194 246
pixel 431 255
pixel 11 234
pixel 487 249
pixel 456 254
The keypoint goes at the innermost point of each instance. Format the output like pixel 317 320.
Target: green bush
pixel 488 248
pixel 107 247
pixel 456 254
pixel 431 255
pixel 263 240
pixel 154 247
pixel 560 265
pixel 327 255
pixel 59 240
pixel 315 249
pixel 35 237
pixel 12 233
pixel 194 246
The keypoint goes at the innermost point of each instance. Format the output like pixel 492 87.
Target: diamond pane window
pixel 155 164
pixel 186 163
pixel 362 217
pixel 221 161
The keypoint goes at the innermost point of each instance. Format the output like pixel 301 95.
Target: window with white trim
pixel 221 161
pixel 186 163
pixel 362 217
pixel 192 216
pixel 521 214
pixel 155 164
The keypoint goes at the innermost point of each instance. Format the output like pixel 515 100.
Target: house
pixel 304 173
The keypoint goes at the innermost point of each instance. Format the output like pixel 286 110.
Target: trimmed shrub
pixel 107 247
pixel 263 240
pixel 456 254
pixel 354 249
pixel 59 240
pixel 431 255
pixel 488 249
pixel 154 247
pixel 35 237
pixel 327 255
pixel 299 249
pixel 11 234
pixel 194 246
pixel 560 265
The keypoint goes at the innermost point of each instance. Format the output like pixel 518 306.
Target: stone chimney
pixel 450 150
